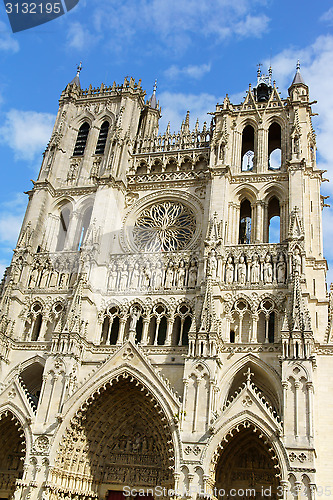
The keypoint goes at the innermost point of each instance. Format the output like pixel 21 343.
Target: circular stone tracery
pixel 167 226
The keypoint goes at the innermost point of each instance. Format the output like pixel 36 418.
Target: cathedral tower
pixel 165 321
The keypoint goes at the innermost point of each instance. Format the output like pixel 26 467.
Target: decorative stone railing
pixel 174 142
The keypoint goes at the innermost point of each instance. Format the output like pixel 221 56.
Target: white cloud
pixel 327 16
pixel 11 216
pixel 79 37
pixel 26 132
pixel 175 22
pixel 175 106
pixel 192 71
pixel 7 40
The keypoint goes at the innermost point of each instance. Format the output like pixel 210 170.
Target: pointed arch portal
pixel 121 437
pixel 12 453
pixel 246 463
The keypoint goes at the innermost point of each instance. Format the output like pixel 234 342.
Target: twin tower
pixel 165 324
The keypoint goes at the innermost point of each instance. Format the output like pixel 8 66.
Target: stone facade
pixel 155 331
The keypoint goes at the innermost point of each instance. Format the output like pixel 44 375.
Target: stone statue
pixel 180 275
pixel 146 278
pixel 169 276
pixel 281 269
pixel 255 270
pixel 241 271
pixel 212 264
pixel 192 274
pixel 135 278
pixel 268 270
pixel 123 278
pixel 135 315
pixel 113 277
pixel 297 261
pixel 158 276
pixel 229 271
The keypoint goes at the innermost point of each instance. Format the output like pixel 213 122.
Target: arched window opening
pixel 245 222
pixel 37 327
pixel 182 325
pixel 139 329
pixel 32 378
pixel 110 327
pixel 273 230
pixel 152 330
pixel 63 229
pixel 247 148
pixel 103 134
pixel 274 146
pixel 114 331
pixel 162 328
pixel 81 140
pixel 142 168
pixel 271 328
pixel 85 222
pixel 232 336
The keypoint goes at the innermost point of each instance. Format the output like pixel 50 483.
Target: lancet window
pixel 63 228
pixel 81 140
pixel 103 134
pixel 247 148
pixel 273 215
pixel 245 222
pixel 274 146
pixel 83 227
pixel 158 325
pixel 110 327
pixel 182 324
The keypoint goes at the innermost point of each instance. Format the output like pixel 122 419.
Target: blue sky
pixel 198 51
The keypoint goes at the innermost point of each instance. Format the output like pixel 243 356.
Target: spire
pixel 298 77
pixel 76 79
pixel 152 100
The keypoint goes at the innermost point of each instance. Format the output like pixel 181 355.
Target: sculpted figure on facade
pixel 169 275
pixel 212 264
pixel 135 277
pixel 255 269
pixel 158 275
pixel 113 277
pixel 241 270
pixel 192 274
pixel 229 271
pixel 180 275
pixel 123 277
pixel 268 270
pixel 281 269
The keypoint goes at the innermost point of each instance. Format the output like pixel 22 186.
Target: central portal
pixel 246 469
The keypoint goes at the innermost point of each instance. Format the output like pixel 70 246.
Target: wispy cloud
pixel 79 37
pixel 327 16
pixel 26 132
pixel 11 216
pixel 7 40
pixel 175 106
pixel 191 71
pixel 174 23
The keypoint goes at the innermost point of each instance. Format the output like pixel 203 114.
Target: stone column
pixel 122 323
pixel 309 387
pixel 297 387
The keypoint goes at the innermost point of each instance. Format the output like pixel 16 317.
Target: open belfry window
pixel 274 146
pixel 245 222
pixel 81 140
pixel 103 134
pixel 247 148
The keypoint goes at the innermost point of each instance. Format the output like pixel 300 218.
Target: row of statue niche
pixel 248 271
pixel 153 276
pixel 50 278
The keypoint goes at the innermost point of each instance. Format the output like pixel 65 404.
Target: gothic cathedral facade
pixel 165 324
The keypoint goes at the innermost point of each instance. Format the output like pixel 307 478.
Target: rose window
pixel 167 226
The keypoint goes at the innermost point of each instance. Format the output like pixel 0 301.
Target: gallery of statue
pixel 165 321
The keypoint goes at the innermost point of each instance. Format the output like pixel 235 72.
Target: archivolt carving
pixel 119 437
